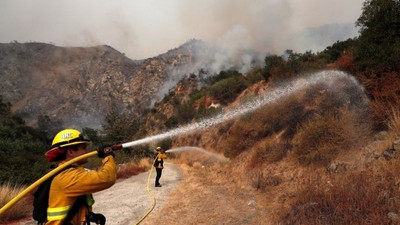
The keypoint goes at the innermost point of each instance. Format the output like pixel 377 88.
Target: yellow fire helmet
pixel 64 138
pixel 158 148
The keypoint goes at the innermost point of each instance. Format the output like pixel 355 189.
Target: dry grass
pixel 394 122
pixel 316 127
pixel 209 196
pixel 127 170
pixel 358 197
pixel 320 140
pixel 21 209
pixel 385 91
pixel 270 152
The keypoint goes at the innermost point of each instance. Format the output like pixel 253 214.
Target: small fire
pixel 179 89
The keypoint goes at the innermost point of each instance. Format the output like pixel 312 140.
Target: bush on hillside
pixel 335 51
pixel 319 140
pixel 119 127
pixel 168 96
pixel 226 90
pixel 238 140
pixel 273 65
pixel 345 62
pixel 385 91
pixel 197 94
pixel 364 197
pixel 184 113
pixel 282 116
pixel 269 152
pixel 378 46
pixel 223 75
pixel 21 147
pixel 171 123
pixel 255 76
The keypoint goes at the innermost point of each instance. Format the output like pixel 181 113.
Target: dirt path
pixel 127 200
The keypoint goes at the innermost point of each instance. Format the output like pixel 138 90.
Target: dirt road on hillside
pixel 127 201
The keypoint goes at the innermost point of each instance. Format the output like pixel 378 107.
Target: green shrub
pixel 272 63
pixel 378 46
pixel 184 113
pixel 224 75
pixel 333 52
pixel 255 75
pixel 225 91
pixel 172 122
pixel 168 96
pixel 197 94
pixel 119 127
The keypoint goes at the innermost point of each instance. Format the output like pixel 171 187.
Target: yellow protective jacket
pixel 67 186
pixel 159 160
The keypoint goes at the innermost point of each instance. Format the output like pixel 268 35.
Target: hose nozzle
pixel 116 147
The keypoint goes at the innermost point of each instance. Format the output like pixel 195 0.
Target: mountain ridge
pixel 80 84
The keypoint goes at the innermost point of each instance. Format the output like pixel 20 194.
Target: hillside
pixel 310 138
pixel 77 86
pixel 309 156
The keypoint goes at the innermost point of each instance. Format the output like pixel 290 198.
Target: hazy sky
pixel 146 28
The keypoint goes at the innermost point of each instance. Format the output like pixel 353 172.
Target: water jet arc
pixel 193 148
pixel 328 78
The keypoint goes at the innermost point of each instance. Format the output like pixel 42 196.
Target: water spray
pixel 193 148
pixel 329 78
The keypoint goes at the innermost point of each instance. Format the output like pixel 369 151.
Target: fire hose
pixel 66 164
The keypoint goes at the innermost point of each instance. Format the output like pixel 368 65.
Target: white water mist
pixel 193 148
pixel 328 78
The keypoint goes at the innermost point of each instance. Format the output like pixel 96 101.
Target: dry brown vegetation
pixel 385 92
pixel 20 209
pixel 319 140
pixel 310 158
pixel 394 122
pixel 129 169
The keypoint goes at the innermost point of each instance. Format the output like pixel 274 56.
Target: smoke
pixel 143 29
pixel 209 60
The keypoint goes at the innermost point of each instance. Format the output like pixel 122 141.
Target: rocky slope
pixel 77 86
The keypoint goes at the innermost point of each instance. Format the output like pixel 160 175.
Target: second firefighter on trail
pixel 159 164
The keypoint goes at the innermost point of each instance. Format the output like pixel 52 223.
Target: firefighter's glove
pixel 105 151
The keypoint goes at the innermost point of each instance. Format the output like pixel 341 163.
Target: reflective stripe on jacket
pixel 74 182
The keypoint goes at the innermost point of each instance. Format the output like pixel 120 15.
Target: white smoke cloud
pixel 143 29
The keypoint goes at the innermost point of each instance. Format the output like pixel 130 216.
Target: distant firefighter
pixel 159 164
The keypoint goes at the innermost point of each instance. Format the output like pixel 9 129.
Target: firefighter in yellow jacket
pixel 159 164
pixel 70 196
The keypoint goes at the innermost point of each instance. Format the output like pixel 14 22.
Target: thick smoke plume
pixel 209 60
pixel 143 29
